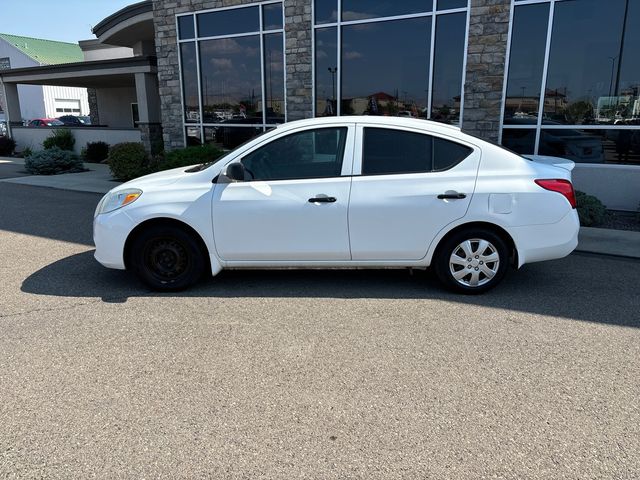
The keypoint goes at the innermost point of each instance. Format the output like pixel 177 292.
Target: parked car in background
pixel 346 192
pixel 45 122
pixel 74 121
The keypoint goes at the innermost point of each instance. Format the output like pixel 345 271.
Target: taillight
pixel 563 187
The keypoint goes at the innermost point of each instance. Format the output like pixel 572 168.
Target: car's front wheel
pixel 167 258
pixel 472 261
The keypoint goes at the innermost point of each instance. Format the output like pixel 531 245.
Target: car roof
pixel 383 121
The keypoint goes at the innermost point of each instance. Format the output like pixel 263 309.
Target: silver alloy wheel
pixel 474 262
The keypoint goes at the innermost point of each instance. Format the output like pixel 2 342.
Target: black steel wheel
pixel 167 258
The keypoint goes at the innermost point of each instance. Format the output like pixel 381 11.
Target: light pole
pixel 333 72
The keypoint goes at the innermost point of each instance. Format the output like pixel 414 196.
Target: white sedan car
pixel 347 192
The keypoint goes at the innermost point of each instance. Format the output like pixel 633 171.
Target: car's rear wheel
pixel 472 261
pixel 167 258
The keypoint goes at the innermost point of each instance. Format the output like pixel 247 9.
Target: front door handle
pixel 452 196
pixel 322 199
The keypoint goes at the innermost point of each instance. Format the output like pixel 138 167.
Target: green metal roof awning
pixel 46 52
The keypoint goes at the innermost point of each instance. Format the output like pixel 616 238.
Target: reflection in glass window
pixel 308 154
pixel 528 41
pixel 385 67
pixel 227 22
pixel 361 9
pixel 272 16
pixel 326 11
pixel 190 82
pixel 186 29
pixel 447 67
pixel 522 141
pixel 193 136
pixel 274 77
pixel 228 137
pixel 387 152
pixel 326 65
pixel 589 80
pixel 449 4
pixel 592 146
pixel 231 80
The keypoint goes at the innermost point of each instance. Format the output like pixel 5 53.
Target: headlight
pixel 115 200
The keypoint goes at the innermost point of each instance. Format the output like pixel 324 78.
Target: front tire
pixel 472 261
pixel 167 259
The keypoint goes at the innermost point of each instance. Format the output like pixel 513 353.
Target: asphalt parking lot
pixel 304 374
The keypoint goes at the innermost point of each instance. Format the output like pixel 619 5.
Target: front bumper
pixel 110 232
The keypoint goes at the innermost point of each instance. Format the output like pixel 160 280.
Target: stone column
pixel 485 74
pixel 148 96
pixel 298 34
pixel 94 114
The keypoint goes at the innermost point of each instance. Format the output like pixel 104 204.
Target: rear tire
pixel 472 261
pixel 167 259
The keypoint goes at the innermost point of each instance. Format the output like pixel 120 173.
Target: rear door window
pixel 389 151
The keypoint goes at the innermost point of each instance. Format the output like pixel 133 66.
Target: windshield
pixel 204 166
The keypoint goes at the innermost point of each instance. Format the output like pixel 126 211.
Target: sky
pixel 63 20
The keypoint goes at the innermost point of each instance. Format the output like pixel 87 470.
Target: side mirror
pixel 235 172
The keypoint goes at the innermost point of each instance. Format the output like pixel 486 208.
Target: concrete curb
pixel 620 243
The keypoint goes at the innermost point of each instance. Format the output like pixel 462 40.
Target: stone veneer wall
pixel 298 59
pixel 93 106
pixel 488 36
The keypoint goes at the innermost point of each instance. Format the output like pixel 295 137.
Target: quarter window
pixel 309 154
pixel 388 152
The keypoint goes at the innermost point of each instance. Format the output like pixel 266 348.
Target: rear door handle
pixel 323 200
pixel 452 196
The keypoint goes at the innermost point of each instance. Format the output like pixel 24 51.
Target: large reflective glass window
pixel 230 137
pixel 186 29
pixel 528 42
pixel 521 141
pixel 585 81
pixel 326 11
pixel 231 80
pixel 385 67
pixel 592 146
pixel 190 82
pixel 449 4
pixel 326 65
pixel 272 16
pixel 361 9
pixel 274 77
pixel 228 22
pixel 447 67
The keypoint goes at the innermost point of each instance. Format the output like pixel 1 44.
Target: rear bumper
pixel 537 243
pixel 110 233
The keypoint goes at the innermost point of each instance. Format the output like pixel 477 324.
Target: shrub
pixel 27 152
pixel 63 139
pixel 96 152
pixel 590 210
pixel 188 156
pixel 7 146
pixel 52 162
pixel 128 161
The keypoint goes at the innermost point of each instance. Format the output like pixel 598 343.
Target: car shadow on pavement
pixel 581 287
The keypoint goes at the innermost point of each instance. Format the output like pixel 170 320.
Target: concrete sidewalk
pixel 98 180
